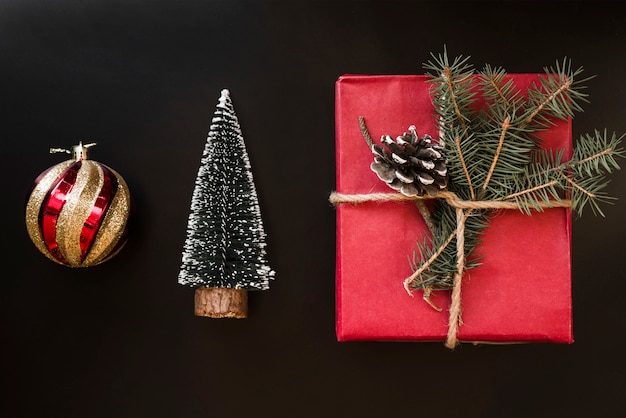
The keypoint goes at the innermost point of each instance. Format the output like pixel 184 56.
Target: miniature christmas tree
pixel 224 255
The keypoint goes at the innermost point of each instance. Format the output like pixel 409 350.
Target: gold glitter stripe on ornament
pixel 33 206
pixel 113 225
pixel 76 210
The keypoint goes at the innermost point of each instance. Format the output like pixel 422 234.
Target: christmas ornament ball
pixel 77 212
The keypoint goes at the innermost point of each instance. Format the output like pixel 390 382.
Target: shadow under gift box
pixel 520 293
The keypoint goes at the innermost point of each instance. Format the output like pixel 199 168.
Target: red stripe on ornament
pixel 51 208
pixel 99 210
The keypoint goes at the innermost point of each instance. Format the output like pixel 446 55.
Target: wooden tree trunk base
pixel 216 302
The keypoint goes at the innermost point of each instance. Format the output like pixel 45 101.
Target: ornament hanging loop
pixel 79 152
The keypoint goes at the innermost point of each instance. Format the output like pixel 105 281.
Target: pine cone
pixel 413 166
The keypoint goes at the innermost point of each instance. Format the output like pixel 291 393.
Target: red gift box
pixel 520 293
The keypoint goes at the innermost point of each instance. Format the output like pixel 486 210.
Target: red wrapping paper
pixel 520 293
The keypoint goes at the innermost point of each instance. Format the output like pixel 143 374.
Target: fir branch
pixel 493 81
pixel 576 186
pixel 581 200
pixel 531 199
pixel 453 94
pixel 447 76
pixel 531 190
pixel 558 95
pixel 550 99
pixel 597 153
pixel 605 152
pixel 499 148
pixel 505 127
pixel 498 90
pixel 583 177
pixel 457 143
pixel 426 264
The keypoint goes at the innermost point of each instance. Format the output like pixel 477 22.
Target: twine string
pixel 461 206
pixel 455 320
pixel 451 198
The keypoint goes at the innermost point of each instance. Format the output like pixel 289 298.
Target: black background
pixel 142 78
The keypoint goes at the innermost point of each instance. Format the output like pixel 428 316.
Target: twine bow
pixel 463 211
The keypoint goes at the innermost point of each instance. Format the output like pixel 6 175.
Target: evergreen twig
pixel 498 148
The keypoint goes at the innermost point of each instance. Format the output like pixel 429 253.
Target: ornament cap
pixel 79 152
